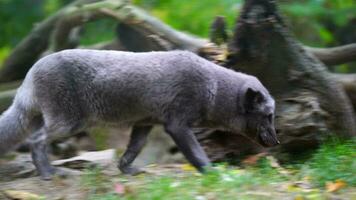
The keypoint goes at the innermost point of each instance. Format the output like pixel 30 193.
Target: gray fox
pixel 69 91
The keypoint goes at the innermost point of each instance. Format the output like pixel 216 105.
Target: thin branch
pixel 348 81
pixel 140 19
pixel 335 55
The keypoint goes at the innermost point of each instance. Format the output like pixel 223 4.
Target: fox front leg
pixel 137 141
pixel 187 143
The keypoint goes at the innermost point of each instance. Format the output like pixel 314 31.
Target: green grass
pixel 335 160
pixel 222 182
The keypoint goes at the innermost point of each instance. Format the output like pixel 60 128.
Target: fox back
pixel 126 87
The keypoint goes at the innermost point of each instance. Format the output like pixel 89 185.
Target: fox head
pixel 257 109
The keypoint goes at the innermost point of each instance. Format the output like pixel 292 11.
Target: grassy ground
pixel 330 173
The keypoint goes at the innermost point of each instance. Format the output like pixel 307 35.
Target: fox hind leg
pixel 39 153
pixel 39 150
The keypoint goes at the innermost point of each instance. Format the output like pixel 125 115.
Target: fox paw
pixel 59 172
pixel 131 170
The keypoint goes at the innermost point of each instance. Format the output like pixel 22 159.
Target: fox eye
pixel 270 118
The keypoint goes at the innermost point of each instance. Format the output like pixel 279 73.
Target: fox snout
pixel 268 137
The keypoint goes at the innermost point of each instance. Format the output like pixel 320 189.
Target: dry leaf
pixel 188 167
pixel 119 188
pixel 293 188
pixel 299 197
pixel 274 163
pixel 21 195
pixel 252 160
pixel 335 186
pixel 221 57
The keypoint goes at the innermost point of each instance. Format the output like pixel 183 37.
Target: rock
pixel 88 159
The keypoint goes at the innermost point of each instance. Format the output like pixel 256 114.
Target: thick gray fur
pixel 71 90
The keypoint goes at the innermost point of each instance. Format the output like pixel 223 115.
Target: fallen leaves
pixel 119 188
pixel 335 186
pixel 253 159
pixel 274 163
pixel 188 167
pixel 299 197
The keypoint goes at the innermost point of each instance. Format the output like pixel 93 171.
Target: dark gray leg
pixel 38 145
pixel 39 150
pixel 137 141
pixel 187 143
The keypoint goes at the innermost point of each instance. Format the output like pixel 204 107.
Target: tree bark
pixel 263 46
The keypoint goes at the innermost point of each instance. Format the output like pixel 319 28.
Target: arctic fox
pixel 69 91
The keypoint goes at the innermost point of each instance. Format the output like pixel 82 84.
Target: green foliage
pixel 4 52
pixel 51 6
pixel 334 160
pixel 98 31
pixel 315 21
pixel 192 16
pixel 17 17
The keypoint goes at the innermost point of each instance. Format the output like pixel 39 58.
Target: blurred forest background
pixel 315 94
pixel 315 91
pixel 317 23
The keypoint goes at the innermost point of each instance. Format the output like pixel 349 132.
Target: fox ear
pixel 252 99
